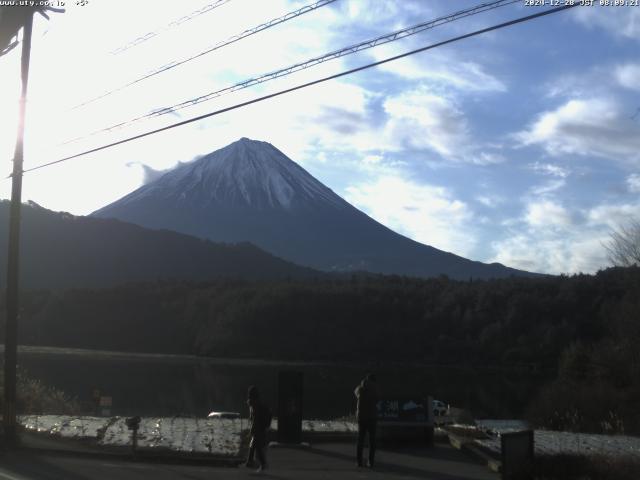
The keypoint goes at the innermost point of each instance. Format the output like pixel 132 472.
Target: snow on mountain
pixel 245 173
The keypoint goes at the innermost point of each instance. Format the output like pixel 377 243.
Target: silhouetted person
pixel 366 413
pixel 260 418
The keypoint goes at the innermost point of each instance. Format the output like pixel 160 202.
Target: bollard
pixel 517 455
pixel 133 424
pixel 290 388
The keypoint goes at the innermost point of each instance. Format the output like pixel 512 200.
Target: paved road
pixel 322 461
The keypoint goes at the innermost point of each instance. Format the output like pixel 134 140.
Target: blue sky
pixel 520 146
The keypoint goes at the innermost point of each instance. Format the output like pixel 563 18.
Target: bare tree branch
pixel 623 246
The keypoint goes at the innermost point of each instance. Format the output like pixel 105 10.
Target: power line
pixel 235 38
pixel 175 23
pixel 390 37
pixel 308 84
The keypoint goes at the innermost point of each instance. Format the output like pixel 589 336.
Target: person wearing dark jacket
pixel 260 422
pixel 366 413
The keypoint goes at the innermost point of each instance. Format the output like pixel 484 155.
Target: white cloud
pixel 622 22
pixel 487 158
pixel 425 213
pixel 556 180
pixel 419 119
pixel 628 75
pixel 443 71
pixel 376 13
pixel 551 253
pixel 612 215
pixel 633 183
pixel 547 214
pixel 597 80
pixel 546 188
pixel 552 238
pixel 549 169
pixel 598 127
pixel 491 201
pixel 372 160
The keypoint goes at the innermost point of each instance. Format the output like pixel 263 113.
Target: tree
pixel 624 244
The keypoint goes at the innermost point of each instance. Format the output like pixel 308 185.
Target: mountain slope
pixel 250 191
pixel 59 250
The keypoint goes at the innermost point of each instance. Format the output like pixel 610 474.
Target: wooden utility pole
pixel 11 333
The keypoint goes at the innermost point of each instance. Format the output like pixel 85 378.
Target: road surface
pixel 322 461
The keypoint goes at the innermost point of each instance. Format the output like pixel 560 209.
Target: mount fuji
pixel 250 191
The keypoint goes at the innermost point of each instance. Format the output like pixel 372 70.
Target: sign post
pixel 406 418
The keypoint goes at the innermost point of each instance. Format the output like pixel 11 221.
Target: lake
pixel 166 385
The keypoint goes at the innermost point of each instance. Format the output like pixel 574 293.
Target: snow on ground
pixel 64 426
pixel 548 442
pixel 214 436
pixel 223 436
pixel 329 426
pixel 501 426
pixel 180 434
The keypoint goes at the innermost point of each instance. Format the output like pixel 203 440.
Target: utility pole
pixel 11 333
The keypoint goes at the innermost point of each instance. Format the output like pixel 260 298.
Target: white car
pixel 440 408
pixel 223 415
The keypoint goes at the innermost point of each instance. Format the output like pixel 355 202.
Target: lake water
pixel 169 385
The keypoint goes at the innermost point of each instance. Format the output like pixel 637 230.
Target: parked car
pixel 440 408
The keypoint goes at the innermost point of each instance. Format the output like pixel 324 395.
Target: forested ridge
pixel 497 322
pixel 61 251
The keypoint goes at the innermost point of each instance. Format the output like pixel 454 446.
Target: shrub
pixel 578 407
pixel 34 397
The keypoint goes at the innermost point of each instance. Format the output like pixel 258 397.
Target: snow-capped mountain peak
pixel 245 173
pixel 250 191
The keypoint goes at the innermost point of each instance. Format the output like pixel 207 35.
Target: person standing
pixel 366 413
pixel 260 422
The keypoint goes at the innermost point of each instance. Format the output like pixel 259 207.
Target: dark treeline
pixel 587 326
pixel 499 322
